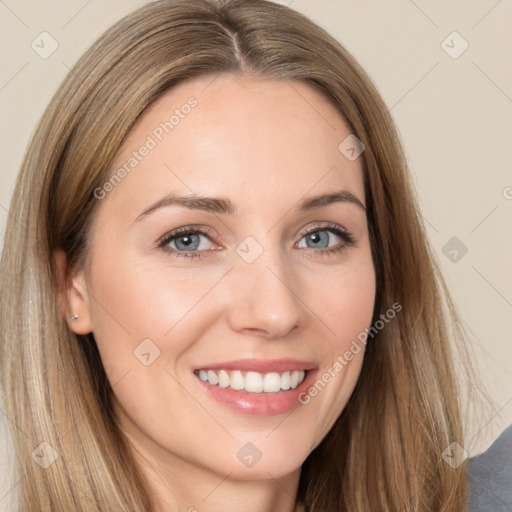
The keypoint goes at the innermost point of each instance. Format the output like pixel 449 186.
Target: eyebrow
pixel 226 206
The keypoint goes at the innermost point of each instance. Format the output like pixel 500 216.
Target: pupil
pixel 187 237
pixel 317 238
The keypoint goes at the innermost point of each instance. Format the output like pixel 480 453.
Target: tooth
pixel 237 380
pixel 294 381
pixel 224 379
pixel 212 377
pixel 285 381
pixel 271 383
pixel 253 382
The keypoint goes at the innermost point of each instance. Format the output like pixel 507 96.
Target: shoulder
pixel 490 477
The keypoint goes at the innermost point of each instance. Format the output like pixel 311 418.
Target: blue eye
pixel 187 241
pixel 320 236
pixel 190 242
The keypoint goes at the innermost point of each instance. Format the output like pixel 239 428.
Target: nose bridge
pixel 264 299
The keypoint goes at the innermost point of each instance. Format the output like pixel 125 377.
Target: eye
pixel 320 237
pixel 187 242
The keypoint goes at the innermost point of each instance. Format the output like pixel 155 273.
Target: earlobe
pixel 72 296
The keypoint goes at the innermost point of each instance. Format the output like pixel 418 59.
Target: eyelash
pixel 345 235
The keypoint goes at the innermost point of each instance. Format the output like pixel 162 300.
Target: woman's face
pixel 261 282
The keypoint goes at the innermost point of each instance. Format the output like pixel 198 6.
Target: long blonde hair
pixel 384 452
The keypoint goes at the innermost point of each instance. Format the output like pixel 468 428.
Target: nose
pixel 263 300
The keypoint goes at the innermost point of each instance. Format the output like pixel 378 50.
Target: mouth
pixel 251 381
pixel 257 387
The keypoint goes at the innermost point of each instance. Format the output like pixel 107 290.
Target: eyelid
pixel 319 225
pixel 191 228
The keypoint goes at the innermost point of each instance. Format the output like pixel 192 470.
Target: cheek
pixel 132 302
pixel 145 318
pixel 345 308
pixel 345 300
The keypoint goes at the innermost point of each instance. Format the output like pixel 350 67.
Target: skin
pixel 266 145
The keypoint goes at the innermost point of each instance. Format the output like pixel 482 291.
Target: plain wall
pixel 454 116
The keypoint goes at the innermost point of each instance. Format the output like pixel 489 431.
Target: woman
pixel 223 296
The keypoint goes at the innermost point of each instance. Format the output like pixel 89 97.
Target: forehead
pixel 266 141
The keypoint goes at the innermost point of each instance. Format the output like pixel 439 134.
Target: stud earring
pixel 73 317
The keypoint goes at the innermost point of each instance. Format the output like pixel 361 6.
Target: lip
pixel 260 404
pixel 261 365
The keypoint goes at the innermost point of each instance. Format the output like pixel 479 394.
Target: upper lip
pixel 261 365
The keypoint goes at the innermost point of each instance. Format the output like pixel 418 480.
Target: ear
pixel 72 296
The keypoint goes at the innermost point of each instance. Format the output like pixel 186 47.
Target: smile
pixel 253 382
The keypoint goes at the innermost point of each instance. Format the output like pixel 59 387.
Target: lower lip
pixel 259 404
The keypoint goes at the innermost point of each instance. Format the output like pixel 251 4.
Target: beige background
pixel 454 116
